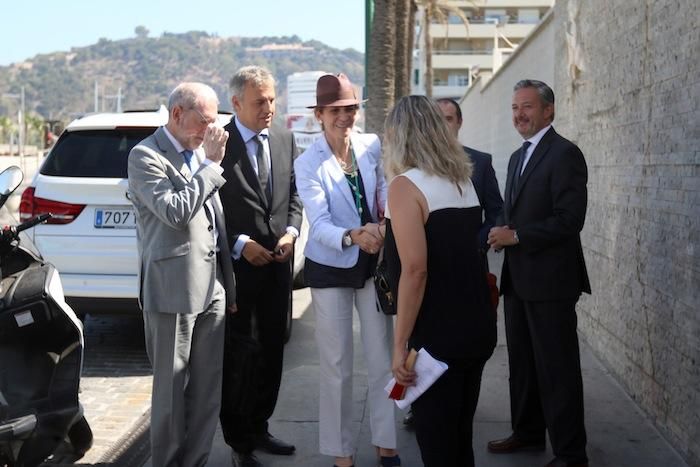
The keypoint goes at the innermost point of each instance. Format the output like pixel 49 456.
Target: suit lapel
pixel 512 164
pixel 171 154
pixel 276 163
pixel 536 157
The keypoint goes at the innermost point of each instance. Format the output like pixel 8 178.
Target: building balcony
pixel 444 90
pixel 480 30
pixel 462 59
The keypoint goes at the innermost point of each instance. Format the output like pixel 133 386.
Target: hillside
pixel 61 85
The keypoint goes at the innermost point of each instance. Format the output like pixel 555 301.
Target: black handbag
pixel 386 302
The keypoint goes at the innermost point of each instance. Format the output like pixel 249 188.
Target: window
pixel 528 15
pixel 93 153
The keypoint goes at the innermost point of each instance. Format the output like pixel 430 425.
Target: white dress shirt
pixel 534 141
pixel 195 163
pixel 251 146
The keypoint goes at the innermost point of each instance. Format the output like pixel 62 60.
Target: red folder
pixel 398 391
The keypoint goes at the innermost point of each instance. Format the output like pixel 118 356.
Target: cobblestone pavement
pixel 116 382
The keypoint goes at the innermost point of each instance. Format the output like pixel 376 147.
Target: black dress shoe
pixel 246 460
pixel 513 444
pixel 272 445
pixel 561 463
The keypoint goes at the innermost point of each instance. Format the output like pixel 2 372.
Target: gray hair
pixel 545 92
pixel 187 95
pixel 254 74
pixel 416 136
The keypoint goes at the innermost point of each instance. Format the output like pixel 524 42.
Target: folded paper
pixel 427 369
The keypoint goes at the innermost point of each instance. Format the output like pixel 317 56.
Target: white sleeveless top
pixel 439 192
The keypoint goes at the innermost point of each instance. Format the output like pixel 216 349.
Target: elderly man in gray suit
pixel 185 272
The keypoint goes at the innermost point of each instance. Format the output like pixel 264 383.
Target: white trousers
pixel 333 308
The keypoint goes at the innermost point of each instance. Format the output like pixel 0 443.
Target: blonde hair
pixel 416 135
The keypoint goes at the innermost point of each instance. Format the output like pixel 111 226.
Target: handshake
pixel 369 237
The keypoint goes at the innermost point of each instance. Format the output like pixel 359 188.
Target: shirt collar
pixel 534 140
pixel 178 147
pixel 248 134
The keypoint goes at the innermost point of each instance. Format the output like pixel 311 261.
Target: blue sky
pixel 43 26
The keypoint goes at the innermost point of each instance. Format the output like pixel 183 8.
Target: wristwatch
pixel 347 239
pixel 515 237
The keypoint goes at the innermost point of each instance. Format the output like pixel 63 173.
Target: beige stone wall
pixel 626 76
pixel 635 112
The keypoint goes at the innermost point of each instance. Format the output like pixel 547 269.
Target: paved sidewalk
pixel 618 434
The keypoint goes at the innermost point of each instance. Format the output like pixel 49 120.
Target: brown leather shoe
pixel 561 463
pixel 513 444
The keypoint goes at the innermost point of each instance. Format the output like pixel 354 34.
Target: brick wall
pixel 626 75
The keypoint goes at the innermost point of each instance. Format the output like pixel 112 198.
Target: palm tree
pixel 436 11
pixel 35 129
pixel 390 51
pixel 7 128
pixel 403 50
pixel 381 61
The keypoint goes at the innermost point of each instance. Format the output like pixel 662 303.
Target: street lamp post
pixel 20 118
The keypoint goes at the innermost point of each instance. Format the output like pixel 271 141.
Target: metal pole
pixel 97 97
pixel 20 119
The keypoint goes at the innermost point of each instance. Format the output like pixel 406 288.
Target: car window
pixel 93 153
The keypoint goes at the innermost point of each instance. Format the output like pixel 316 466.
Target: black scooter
pixel 41 354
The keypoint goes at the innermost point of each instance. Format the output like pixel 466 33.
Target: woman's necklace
pixel 347 168
pixel 352 174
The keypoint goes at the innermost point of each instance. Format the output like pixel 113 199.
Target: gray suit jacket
pixel 177 254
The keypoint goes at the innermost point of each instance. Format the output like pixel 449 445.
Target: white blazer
pixel 328 201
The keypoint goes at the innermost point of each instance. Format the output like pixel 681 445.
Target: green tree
pixel 141 32
pixel 7 128
pixel 34 125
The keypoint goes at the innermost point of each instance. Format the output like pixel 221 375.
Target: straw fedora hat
pixel 335 91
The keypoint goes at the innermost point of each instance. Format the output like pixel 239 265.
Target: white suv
pixel 91 238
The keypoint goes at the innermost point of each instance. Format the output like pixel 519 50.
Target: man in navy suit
pixel 263 218
pixel 483 175
pixel 544 273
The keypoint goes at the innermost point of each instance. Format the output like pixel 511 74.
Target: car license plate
pixel 115 218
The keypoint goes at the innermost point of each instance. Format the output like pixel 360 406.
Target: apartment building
pixel 461 53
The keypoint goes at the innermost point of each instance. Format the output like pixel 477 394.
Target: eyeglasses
pixel 203 120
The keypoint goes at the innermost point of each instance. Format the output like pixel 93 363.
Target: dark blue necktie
pixel 187 154
pixel 263 168
pixel 519 167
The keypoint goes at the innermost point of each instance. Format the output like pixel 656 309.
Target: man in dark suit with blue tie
pixel 263 218
pixel 544 273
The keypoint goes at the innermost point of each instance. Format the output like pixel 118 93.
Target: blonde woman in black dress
pixel 435 269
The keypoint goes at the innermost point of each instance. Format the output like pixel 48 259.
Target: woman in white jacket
pixel 341 182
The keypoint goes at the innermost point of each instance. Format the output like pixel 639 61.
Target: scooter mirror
pixel 10 179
